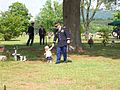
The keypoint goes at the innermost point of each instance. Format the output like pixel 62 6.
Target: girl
pixel 48 54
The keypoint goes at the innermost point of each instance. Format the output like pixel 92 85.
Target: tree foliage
pixel 117 15
pixel 20 9
pixel 14 21
pixel 109 3
pixel 105 31
pixel 50 13
pixel 10 25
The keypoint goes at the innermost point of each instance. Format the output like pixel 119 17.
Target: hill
pixel 102 14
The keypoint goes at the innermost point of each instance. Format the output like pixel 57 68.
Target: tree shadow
pixel 33 53
pixel 98 49
pixel 68 61
pixel 36 51
pixel 10 40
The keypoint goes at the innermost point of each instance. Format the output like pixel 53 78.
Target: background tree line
pixel 16 20
pixel 49 14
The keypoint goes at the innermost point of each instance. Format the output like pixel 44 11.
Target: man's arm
pixel 29 30
pixel 54 40
pixel 39 31
pixel 67 33
pixel 44 31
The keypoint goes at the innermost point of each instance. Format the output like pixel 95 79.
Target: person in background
pixel 62 36
pixel 112 42
pixel 118 33
pixel 31 34
pixel 90 41
pixel 42 34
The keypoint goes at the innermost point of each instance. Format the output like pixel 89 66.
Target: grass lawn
pixel 96 69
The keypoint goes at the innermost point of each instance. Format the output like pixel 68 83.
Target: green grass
pixel 78 75
pixel 96 69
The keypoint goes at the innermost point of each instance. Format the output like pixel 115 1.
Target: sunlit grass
pixel 81 74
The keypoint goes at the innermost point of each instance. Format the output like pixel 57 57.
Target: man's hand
pixel 68 41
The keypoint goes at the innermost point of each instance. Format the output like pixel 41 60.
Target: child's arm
pixel 51 47
pixel 44 53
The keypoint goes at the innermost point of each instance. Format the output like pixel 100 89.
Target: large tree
pixel 71 16
pixel 10 25
pixel 14 21
pixel 20 9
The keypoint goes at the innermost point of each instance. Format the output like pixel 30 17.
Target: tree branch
pixel 96 8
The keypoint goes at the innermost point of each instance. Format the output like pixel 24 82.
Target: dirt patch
pixel 35 62
pixel 33 86
pixel 85 57
pixel 63 81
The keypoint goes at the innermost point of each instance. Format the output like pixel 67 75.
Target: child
pixel 48 54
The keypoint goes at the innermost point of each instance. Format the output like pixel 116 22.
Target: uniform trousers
pixel 60 51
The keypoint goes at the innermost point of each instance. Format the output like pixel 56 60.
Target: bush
pixel 104 34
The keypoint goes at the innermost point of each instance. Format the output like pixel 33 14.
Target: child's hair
pixel 46 47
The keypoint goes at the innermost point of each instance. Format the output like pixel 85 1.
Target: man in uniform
pixel 63 37
pixel 31 34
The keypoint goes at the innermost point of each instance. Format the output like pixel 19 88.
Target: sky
pixel 32 5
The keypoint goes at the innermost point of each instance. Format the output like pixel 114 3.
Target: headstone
pixel 2 48
pixel 3 58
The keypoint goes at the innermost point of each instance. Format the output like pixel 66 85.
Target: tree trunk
pixel 71 16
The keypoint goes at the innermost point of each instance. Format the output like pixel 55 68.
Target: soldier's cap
pixel 56 24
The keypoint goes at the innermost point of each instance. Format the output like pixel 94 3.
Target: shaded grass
pixel 37 51
pixel 106 51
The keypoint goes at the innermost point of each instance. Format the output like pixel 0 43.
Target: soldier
pixel 31 34
pixel 63 37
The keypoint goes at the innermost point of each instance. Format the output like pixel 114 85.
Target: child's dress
pixel 48 55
